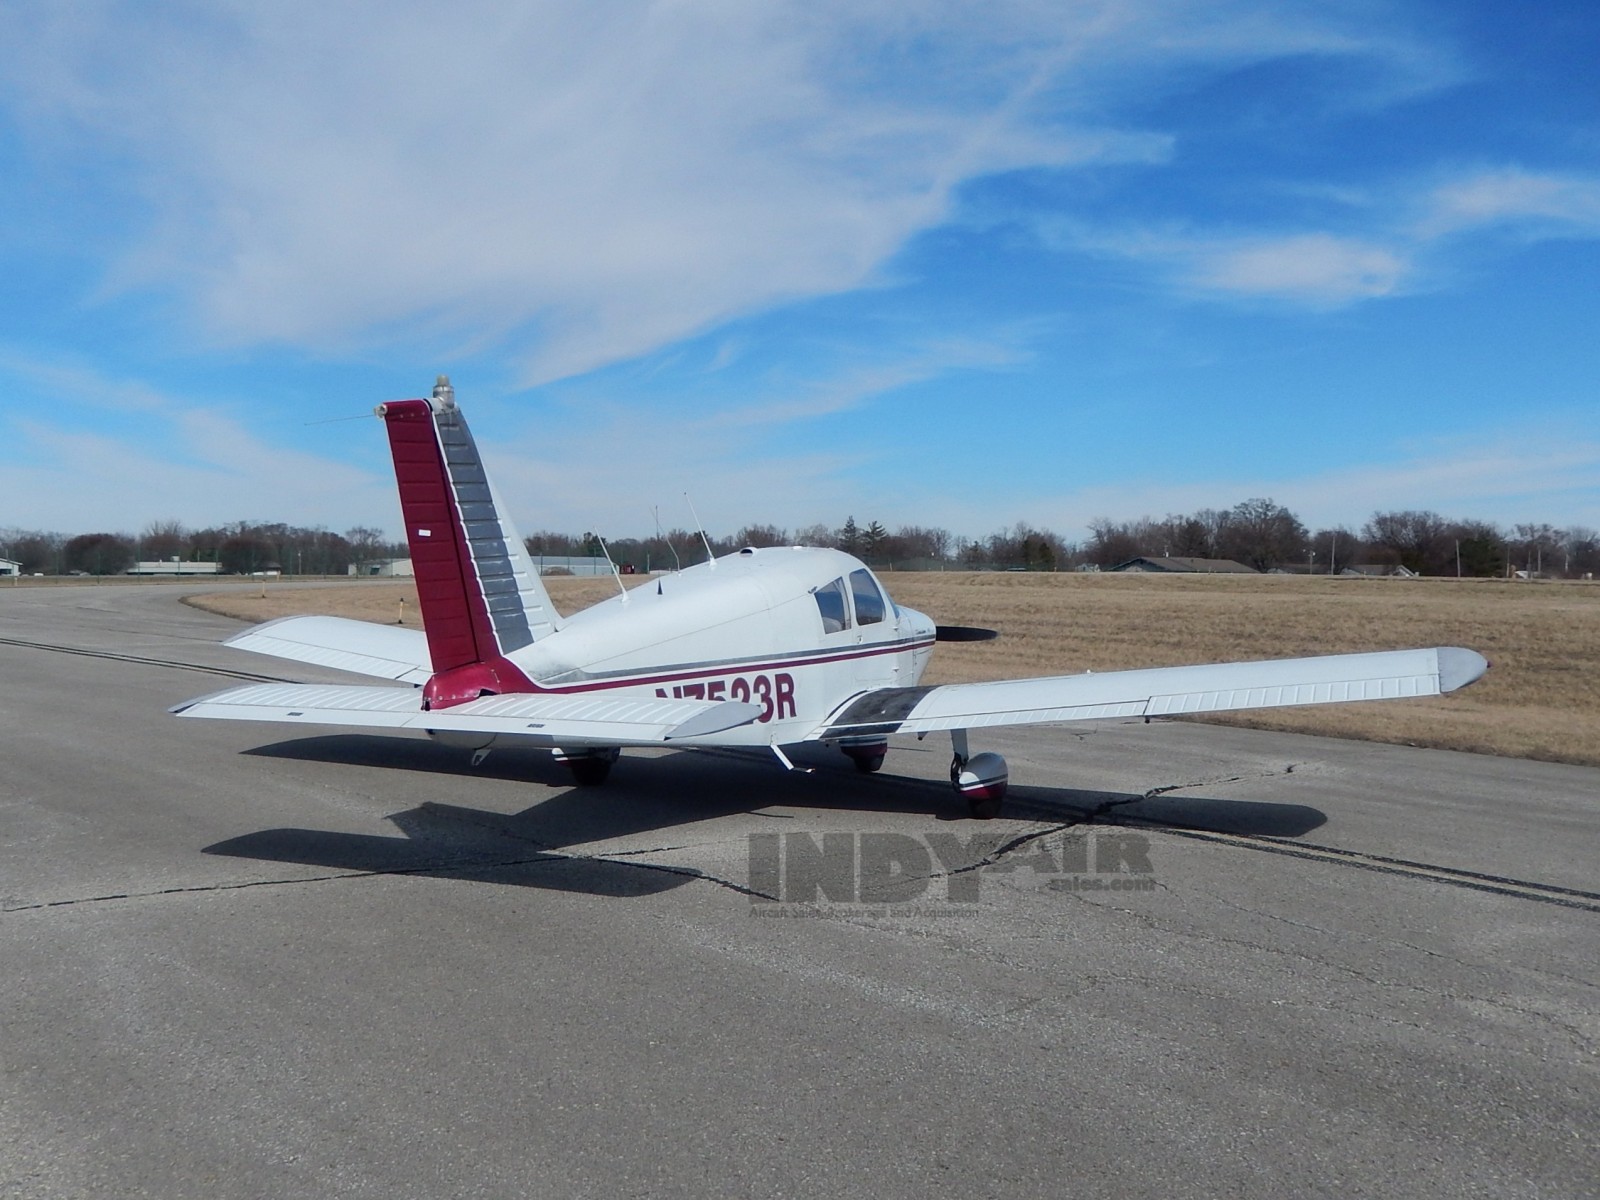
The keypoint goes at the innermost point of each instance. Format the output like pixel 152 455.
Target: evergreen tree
pixel 850 536
pixel 872 540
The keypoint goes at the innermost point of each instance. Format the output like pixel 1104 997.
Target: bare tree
pixel 165 539
pixel 1580 550
pixel 1535 543
pixel 1112 542
pixel 1418 539
pixel 98 553
pixel 1264 534
pixel 366 544
pixel 761 535
pixel 1335 549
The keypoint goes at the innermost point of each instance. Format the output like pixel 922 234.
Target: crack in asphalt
pixel 428 868
pixel 1104 811
pixel 1522 889
pixel 1000 852
pixel 143 660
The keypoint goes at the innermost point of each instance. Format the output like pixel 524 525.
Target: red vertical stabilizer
pixel 462 638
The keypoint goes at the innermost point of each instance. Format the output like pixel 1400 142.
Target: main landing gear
pixel 589 767
pixel 867 755
pixel 980 779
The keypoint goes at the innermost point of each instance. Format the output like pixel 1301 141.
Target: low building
pixel 1203 566
pixel 572 564
pixel 10 567
pixel 173 566
pixel 400 567
pixel 1379 571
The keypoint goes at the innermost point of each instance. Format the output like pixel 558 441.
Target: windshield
pixel 869 600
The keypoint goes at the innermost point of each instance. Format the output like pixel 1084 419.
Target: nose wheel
pixel 979 779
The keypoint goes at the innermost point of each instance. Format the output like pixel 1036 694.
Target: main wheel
pixel 589 770
pixel 867 756
pixel 981 781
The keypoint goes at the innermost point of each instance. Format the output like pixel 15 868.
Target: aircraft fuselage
pixel 749 627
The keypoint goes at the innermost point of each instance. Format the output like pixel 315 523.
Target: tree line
pixel 1267 536
pixel 1258 532
pixel 240 548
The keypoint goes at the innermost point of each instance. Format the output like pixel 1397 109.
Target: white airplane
pixel 763 648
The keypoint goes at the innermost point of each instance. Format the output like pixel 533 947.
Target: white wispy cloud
pixel 1389 241
pixel 1315 268
pixel 583 183
pixel 170 458
pixel 1319 269
pixel 1541 204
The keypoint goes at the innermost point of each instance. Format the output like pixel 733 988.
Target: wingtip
pixel 1459 666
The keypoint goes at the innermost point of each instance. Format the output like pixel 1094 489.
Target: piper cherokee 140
pixel 762 648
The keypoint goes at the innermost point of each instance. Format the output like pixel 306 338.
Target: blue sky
pixel 949 264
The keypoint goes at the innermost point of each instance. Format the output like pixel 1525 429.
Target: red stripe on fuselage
pixel 670 674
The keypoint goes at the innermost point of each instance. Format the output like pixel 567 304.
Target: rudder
pixel 481 597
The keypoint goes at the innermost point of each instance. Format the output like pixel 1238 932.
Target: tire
pixel 589 772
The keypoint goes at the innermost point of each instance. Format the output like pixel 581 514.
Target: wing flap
pixel 1158 692
pixel 548 720
pixel 362 647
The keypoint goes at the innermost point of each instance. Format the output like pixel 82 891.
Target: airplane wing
pixel 382 651
pixel 565 721
pixel 1156 692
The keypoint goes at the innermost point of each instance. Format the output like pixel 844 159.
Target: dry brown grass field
pixel 1541 698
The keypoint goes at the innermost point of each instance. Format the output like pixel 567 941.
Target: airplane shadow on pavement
pixel 645 793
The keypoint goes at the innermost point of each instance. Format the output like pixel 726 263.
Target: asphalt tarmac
pixel 244 961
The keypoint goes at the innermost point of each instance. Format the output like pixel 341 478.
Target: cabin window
pixel 830 603
pixel 869 600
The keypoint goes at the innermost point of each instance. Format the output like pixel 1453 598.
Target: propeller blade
pixel 963 633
